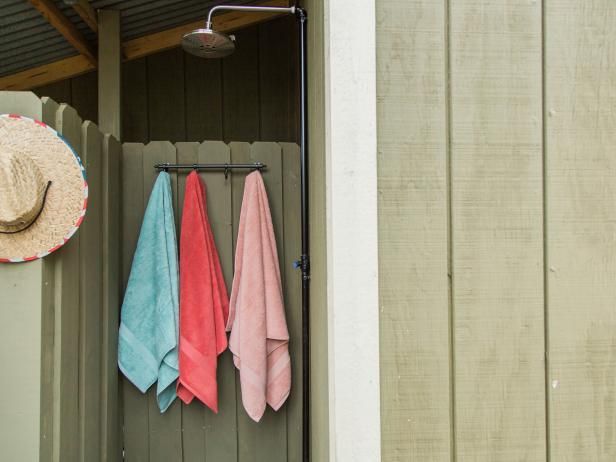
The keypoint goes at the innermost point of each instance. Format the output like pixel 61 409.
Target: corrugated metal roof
pixel 27 40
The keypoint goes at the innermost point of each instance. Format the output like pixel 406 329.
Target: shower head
pixel 207 43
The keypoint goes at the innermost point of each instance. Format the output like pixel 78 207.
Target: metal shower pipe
pixel 250 9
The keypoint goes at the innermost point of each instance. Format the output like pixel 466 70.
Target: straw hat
pixel 43 191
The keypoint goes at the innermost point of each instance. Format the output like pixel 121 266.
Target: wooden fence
pixel 64 402
pixel 59 316
pixel 192 432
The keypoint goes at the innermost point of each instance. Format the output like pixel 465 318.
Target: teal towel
pixel 148 339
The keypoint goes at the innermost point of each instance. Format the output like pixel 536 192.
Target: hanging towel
pixel 148 338
pixel 259 337
pixel 204 303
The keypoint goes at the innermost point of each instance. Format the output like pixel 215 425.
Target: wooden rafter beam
pixel 87 13
pixel 48 73
pixel 65 27
pixel 133 49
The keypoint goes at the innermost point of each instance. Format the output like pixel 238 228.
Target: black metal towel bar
pixel 166 166
pixel 224 167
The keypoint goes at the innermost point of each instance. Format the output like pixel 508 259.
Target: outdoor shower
pixel 207 43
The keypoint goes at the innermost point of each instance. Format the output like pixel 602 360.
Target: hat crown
pixel 22 190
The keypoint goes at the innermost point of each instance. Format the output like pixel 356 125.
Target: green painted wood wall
pixel 187 433
pixel 252 95
pixel 497 192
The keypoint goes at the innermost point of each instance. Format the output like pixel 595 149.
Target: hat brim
pixel 67 199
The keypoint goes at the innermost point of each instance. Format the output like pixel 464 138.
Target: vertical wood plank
pixel 50 107
pixel 48 315
pixel 241 89
pixel 165 429
pixel 497 238
pixel 135 405
pixel 90 295
pixel 26 319
pixel 240 154
pixel 84 97
pixel 165 85
pixel 266 440
pixel 66 351
pixel 135 126
pixel 203 80
pixel 193 426
pixel 278 79
pixel 413 251
pixel 293 293
pixel 580 65
pixel 111 428
pixel 413 254
pixel 221 428
pixel 187 153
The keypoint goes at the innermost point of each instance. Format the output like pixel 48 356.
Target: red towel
pixel 204 303
pixel 259 336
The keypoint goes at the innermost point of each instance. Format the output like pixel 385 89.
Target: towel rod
pixel 168 166
pixel 224 167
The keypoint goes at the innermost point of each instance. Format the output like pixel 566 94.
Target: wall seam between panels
pixel 546 328
pixel 147 100
pixel 221 71
pixel 259 89
pixel 449 194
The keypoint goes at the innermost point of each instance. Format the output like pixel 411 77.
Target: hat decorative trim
pixel 79 220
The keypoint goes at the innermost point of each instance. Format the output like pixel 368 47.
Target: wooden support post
pixel 110 58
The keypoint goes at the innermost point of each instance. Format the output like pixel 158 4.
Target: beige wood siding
pixel 496 206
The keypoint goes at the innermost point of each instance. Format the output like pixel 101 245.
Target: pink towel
pixel 204 304
pixel 259 337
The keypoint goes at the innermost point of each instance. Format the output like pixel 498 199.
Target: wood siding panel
pixel 165 85
pixel 278 80
pixel 48 315
pixel 241 89
pixel 265 440
pixel 84 96
pixel 67 270
pixel 580 63
pixel 134 100
pixel 413 253
pixel 165 429
pixel 292 292
pixel 135 409
pixel 203 89
pixel 90 299
pixel 26 318
pixel 221 429
pixel 111 428
pixel 497 232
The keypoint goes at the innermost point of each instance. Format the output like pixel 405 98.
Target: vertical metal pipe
pixel 305 223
